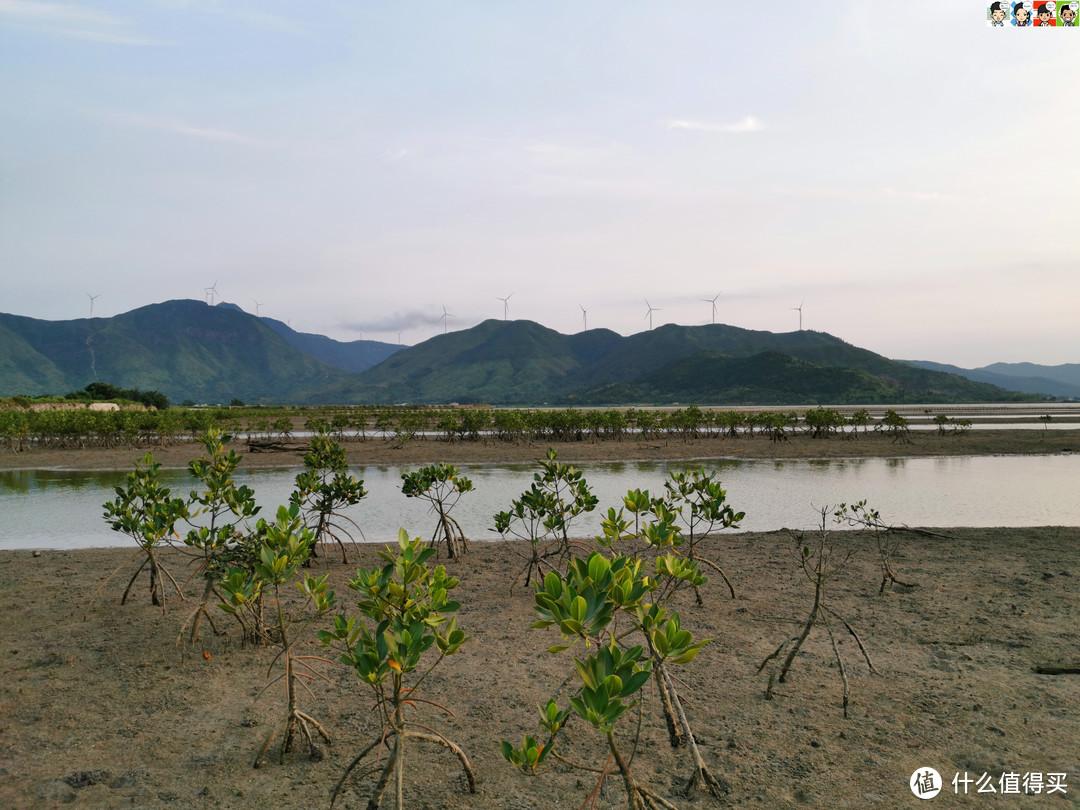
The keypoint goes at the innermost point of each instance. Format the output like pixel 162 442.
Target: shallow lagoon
pixel 62 508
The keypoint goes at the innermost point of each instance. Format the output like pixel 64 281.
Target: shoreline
pixel 379 451
pixel 109 711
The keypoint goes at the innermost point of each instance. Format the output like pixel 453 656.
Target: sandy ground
pixel 383 451
pixel 111 712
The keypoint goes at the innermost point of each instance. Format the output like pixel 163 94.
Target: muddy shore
pixel 377 451
pixel 109 711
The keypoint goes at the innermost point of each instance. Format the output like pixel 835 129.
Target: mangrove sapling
pixel 441 485
pixel 286 546
pixel 586 604
pixel 324 488
pixel 886 537
pixel 663 537
pixel 699 501
pixel 821 561
pixel 542 515
pixel 402 612
pixel 895 426
pixel 143 509
pixel 223 507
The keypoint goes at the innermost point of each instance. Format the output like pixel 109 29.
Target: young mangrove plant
pixel 886 537
pixel 402 612
pixel 542 515
pixel 603 602
pixel 895 426
pixel 224 509
pixel 286 546
pixel 324 488
pixel 821 559
pixel 144 510
pixel 699 501
pixel 441 485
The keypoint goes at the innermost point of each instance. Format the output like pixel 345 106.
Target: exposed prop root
pixel 718 570
pixel 394 767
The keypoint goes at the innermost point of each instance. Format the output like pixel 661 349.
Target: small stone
pixel 81 779
pixel 37 553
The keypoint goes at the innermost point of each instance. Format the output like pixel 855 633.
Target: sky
pixel 903 173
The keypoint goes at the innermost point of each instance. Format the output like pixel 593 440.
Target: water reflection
pixel 62 508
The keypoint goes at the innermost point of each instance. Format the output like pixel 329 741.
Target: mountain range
pixel 191 351
pixel 1062 381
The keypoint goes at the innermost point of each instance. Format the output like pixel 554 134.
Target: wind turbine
pixel 506 306
pixel 648 314
pixel 713 302
pixel 257 305
pixel 584 319
pixel 445 315
pixel 799 309
pixel 210 293
pixel 398 336
pixel 92 299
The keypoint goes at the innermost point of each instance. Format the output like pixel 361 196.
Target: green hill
pixel 509 362
pixel 496 361
pixel 354 355
pixel 768 378
pixel 190 351
pixel 184 349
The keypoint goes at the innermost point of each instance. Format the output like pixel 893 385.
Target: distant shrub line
pixel 23 429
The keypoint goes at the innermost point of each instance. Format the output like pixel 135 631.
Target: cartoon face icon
pixel 1021 15
pixel 1045 15
pixel 998 13
pixel 1068 14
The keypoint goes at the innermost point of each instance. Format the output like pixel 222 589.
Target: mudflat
pixel 102 707
pixel 378 450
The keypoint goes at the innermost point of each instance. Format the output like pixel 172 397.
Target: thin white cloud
pixel 393 322
pixel 188 130
pixel 391 155
pixel 70 21
pixel 55 12
pixel 256 18
pixel 747 124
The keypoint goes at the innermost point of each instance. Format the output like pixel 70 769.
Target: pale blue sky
pixel 906 173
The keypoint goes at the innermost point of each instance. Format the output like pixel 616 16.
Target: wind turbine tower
pixel 506 305
pixel 584 319
pixel 713 302
pixel 92 299
pixel 257 306
pixel 799 310
pixel 210 293
pixel 445 315
pixel 648 314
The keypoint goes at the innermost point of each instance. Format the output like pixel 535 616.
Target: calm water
pixel 62 508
